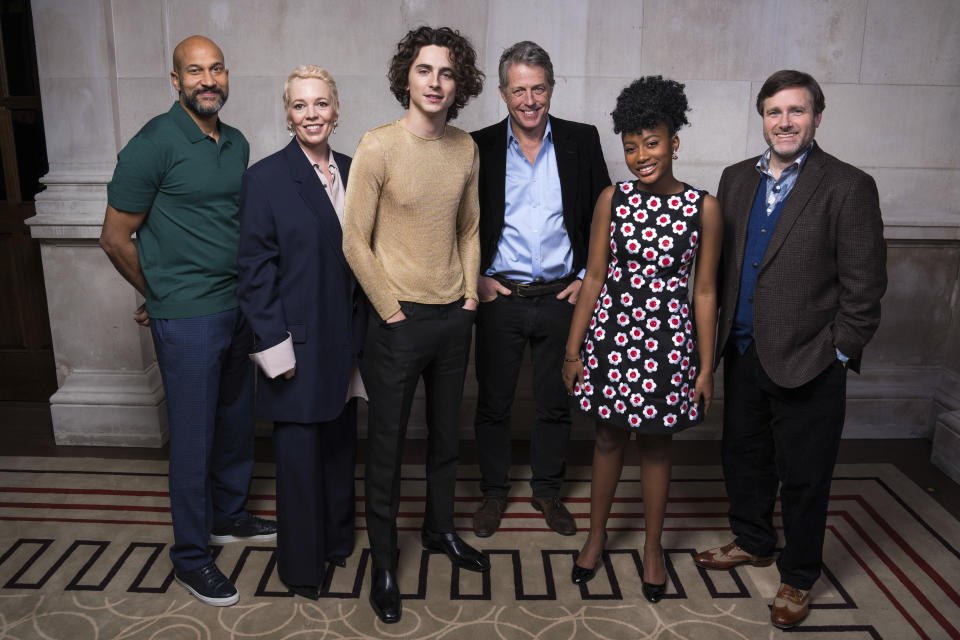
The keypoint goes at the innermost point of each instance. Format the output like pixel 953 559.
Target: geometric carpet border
pixel 72 547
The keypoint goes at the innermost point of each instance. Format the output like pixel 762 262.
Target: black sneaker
pixel 248 529
pixel 209 585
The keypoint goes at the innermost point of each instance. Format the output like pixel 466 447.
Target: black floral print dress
pixel 640 352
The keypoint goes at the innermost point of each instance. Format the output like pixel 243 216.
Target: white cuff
pixel 356 389
pixel 276 360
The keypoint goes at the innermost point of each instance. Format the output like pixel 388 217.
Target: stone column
pixel 110 391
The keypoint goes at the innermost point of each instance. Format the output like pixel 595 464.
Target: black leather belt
pixel 535 289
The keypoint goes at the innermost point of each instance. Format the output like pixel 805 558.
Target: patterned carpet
pixel 83 555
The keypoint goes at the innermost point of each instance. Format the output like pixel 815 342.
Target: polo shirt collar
pixel 190 128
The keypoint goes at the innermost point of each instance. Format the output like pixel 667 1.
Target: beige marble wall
pixel 890 71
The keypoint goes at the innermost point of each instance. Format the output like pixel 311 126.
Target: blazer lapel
pixel 315 196
pixel 741 206
pixel 565 150
pixel 807 183
pixel 494 162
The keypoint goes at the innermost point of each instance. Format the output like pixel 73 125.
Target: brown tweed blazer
pixel 822 277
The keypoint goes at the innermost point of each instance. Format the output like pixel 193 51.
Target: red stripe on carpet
pixel 936 577
pixel 91 492
pixel 879 583
pixel 904 580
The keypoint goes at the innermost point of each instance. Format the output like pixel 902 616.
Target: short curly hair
pixel 468 78
pixel 647 102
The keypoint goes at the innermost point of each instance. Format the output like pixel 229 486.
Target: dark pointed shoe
pixel 385 596
pixel 582 575
pixel 459 552
pixel 340 561
pixel 304 590
pixel 653 592
pixel 556 514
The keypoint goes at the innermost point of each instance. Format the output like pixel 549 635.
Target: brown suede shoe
pixel 790 607
pixel 486 520
pixel 729 556
pixel 556 515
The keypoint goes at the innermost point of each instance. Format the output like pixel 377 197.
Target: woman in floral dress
pixel 638 358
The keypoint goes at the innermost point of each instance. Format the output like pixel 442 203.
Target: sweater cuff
pixel 276 360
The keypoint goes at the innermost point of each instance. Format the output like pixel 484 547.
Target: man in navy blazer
pixel 540 177
pixel 297 291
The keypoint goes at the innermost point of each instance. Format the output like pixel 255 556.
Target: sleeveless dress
pixel 640 353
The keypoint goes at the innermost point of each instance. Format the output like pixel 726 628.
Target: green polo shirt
pixel 189 186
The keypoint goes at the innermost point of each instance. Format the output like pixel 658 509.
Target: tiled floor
pixel 25 430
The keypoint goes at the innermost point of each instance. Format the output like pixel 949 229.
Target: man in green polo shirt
pixel 177 186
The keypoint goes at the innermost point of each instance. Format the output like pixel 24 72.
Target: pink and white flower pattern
pixel 644 360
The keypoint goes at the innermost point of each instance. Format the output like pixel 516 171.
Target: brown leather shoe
pixel 556 515
pixel 790 607
pixel 729 556
pixel 486 520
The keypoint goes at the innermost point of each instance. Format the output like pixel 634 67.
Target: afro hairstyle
pixel 647 102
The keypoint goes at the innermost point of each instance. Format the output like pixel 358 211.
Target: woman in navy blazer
pixel 299 295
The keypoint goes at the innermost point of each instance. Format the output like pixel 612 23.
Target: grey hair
pixel 528 53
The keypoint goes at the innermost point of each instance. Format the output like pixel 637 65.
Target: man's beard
pixel 201 109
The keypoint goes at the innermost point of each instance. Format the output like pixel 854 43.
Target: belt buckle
pixel 523 286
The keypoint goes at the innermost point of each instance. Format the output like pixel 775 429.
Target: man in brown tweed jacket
pixel 804 268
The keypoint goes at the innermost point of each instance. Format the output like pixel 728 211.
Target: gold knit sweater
pixel 410 222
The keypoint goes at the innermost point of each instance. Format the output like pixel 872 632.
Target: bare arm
pixel 597 261
pixel 116 242
pixel 705 297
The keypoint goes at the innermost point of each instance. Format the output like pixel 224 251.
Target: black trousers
pixel 772 433
pixel 433 342
pixel 504 326
pixel 315 496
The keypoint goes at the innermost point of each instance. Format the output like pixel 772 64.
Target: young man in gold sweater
pixel 411 237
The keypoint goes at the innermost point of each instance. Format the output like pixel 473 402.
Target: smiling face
pixel 649 156
pixel 527 95
pixel 789 124
pixel 199 76
pixel 431 83
pixel 312 112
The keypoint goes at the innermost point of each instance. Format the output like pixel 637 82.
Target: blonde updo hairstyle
pixel 304 72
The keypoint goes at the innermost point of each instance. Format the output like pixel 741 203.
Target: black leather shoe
pixel 385 596
pixel 460 553
pixel 340 561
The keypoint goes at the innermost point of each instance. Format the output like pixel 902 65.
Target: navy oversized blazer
pixel 294 278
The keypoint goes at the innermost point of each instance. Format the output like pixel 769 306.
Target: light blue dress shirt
pixel 534 246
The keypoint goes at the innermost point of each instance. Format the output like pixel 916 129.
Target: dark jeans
pixel 208 381
pixel 504 326
pixel 433 342
pixel 773 434
pixel 315 497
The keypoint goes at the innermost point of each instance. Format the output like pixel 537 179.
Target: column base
pixel 110 408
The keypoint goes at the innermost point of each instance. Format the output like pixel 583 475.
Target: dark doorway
pixel 26 353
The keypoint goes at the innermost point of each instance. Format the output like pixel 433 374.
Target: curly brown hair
pixel 468 78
